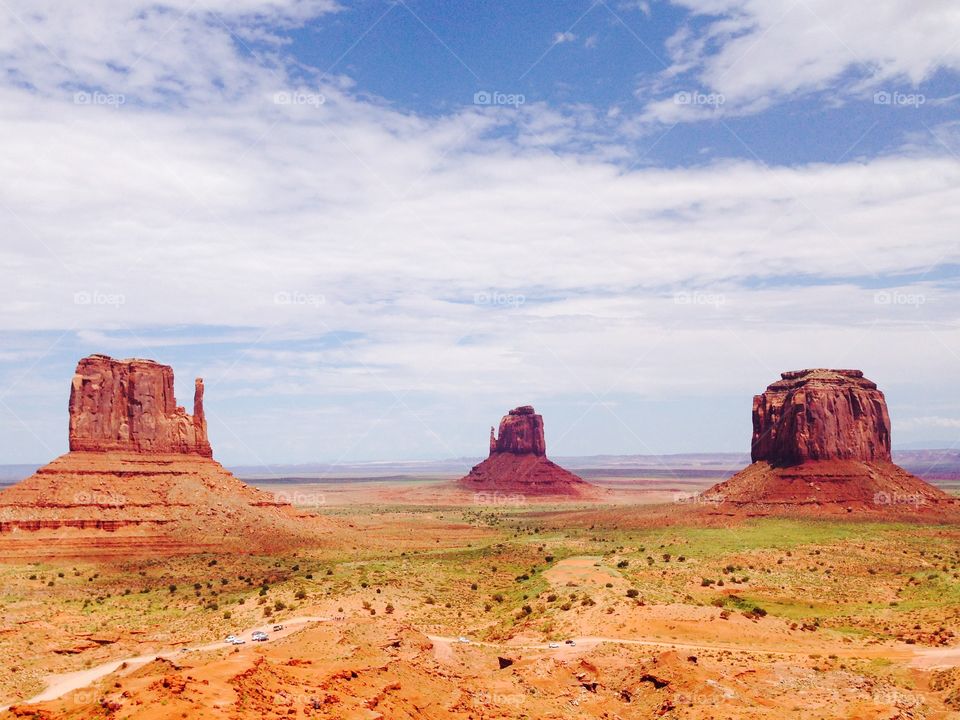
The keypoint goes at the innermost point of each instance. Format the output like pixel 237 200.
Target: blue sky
pixel 374 227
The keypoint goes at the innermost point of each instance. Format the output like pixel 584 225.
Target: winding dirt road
pixel 921 658
pixel 63 683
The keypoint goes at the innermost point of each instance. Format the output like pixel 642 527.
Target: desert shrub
pixel 623 563
pixel 388 609
pixel 633 592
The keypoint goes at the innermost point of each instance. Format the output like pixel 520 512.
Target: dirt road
pixel 61 684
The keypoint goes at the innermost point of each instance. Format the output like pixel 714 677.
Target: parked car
pixel 277 628
pixel 230 638
pixel 462 639
pixel 570 642
pixel 554 645
pixel 259 637
pixel 238 641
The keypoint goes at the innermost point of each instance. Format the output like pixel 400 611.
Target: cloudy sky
pixel 373 227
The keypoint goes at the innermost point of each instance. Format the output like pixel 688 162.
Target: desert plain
pixel 671 613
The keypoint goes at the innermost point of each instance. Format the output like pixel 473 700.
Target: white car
pixel 462 639
pixel 259 637
pixel 553 646
pixel 238 641
pixel 230 638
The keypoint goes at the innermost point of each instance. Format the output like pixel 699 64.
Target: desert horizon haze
pixel 382 359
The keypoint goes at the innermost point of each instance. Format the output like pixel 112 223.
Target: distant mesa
pixel 821 443
pixel 139 478
pixel 518 464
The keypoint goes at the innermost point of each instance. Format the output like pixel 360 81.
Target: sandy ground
pixel 662 617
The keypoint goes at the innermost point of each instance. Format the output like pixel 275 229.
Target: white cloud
pixel 345 249
pixel 563 37
pixel 757 52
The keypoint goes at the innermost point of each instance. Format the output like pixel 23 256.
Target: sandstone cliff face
pixel 820 415
pixel 129 406
pixel 521 431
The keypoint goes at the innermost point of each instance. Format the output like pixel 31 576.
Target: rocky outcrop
pixel 517 465
pixel 820 415
pixel 139 479
pixel 521 432
pixel 820 446
pixel 129 405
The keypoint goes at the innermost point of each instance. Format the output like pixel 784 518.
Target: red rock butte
pixel 821 445
pixel 129 406
pixel 139 478
pixel 518 464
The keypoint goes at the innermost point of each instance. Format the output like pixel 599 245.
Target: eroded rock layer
pixel 129 405
pixel 820 415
